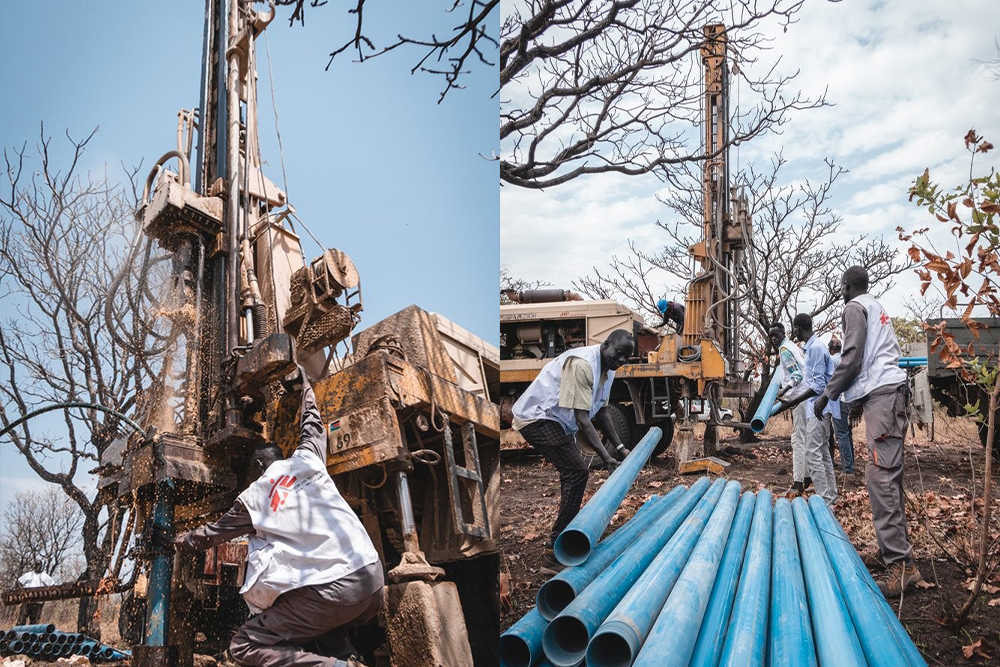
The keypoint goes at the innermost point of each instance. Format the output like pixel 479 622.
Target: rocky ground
pixel 944 502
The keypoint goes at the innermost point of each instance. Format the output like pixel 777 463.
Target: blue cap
pixel 661 305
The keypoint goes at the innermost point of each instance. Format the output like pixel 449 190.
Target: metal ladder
pixel 466 480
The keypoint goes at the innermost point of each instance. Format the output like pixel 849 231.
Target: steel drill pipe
pixel 521 644
pixel 883 638
pixel 672 635
pixel 790 639
pixel 763 413
pixel 556 593
pixel 566 638
pixel 836 641
pixel 747 630
pixel 712 634
pixel 574 543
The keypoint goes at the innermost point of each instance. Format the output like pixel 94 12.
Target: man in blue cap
pixel 672 313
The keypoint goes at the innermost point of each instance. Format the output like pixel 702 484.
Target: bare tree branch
pixel 449 56
pixel 617 86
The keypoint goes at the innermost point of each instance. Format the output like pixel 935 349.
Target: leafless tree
pixel 38 526
pixel 76 324
pixel 597 87
pixel 794 260
pixel 449 53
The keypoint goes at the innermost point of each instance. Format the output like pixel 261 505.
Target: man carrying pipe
pixel 311 567
pixel 566 397
pixel 819 369
pixel 870 378
pixel 842 424
pixel 790 365
pixel 30 612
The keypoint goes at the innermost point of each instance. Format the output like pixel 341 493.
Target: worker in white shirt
pixel 869 377
pixel 311 567
pixel 791 365
pixel 37 577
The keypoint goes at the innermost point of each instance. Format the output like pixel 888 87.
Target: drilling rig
pixel 675 379
pixel 413 436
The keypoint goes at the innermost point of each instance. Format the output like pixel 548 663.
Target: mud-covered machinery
pixel 675 380
pixel 413 436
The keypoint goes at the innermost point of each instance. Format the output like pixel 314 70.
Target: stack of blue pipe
pixel 44 642
pixel 711 576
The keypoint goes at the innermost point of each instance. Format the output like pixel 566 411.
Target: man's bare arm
pixel 591 438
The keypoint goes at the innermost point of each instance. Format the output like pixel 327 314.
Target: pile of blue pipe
pixel 44 642
pixel 711 576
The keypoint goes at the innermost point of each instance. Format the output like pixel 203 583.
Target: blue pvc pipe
pixel 833 632
pixel 712 634
pixel 790 638
pixel 521 644
pixel 161 571
pixel 747 630
pixel 560 590
pixel 672 638
pixel 37 628
pixel 883 638
pixel 565 640
pixel 618 640
pixel 763 413
pixel 574 543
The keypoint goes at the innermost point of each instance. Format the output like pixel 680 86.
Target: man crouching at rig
pixel 311 567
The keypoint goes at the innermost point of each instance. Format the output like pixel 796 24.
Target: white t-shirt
pixel 305 532
pixel 35 580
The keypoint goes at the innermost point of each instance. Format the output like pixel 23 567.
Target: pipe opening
pixel 609 650
pixel 757 425
pixel 572 547
pixel 514 652
pixel 565 641
pixel 553 597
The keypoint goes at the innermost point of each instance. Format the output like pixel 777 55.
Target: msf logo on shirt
pixel 884 319
pixel 279 491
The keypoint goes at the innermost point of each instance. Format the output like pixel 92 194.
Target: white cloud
pixel 906 86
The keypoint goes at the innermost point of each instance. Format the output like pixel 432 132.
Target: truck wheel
pixel 623 427
pixel 667 426
pixel 984 431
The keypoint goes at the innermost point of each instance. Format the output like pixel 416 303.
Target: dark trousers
pixel 30 613
pixel 845 442
pixel 313 615
pixel 560 450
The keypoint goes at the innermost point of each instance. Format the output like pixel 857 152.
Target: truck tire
pixel 667 426
pixel 623 427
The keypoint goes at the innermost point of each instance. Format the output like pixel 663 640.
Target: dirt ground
pixel 941 479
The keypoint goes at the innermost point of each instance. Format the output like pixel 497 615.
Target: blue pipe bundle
pixel 44 642
pixel 708 576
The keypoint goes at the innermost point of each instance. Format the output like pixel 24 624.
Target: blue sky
pixel 375 165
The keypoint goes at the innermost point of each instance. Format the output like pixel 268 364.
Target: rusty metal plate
pixel 268 360
pixel 363 437
pixel 175 211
